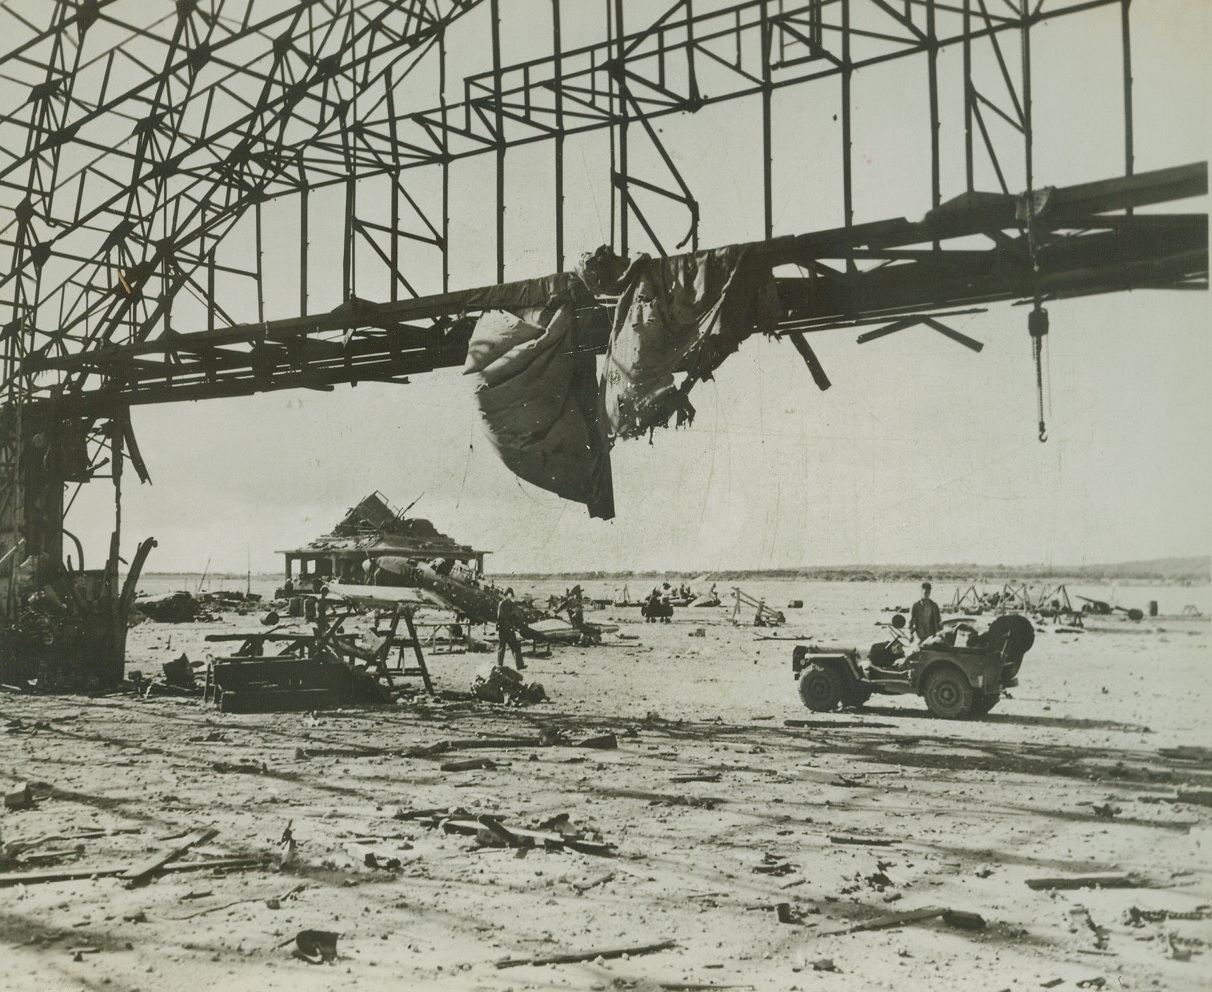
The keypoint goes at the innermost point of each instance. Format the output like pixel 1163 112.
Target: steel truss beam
pixel 1087 243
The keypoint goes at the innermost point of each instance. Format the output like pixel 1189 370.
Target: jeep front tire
pixel 820 688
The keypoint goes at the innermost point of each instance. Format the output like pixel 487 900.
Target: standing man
pixel 507 636
pixel 925 619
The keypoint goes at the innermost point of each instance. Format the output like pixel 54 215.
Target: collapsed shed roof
pixel 373 527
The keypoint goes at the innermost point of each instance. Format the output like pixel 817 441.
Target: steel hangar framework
pixel 149 148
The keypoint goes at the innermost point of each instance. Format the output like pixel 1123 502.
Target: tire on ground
pixel 983 702
pixel 856 695
pixel 820 688
pixel 948 694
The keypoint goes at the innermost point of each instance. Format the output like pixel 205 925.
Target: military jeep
pixel 960 671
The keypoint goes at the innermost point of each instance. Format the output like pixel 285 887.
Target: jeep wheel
pixel 948 693
pixel 983 702
pixel 820 689
pixel 856 695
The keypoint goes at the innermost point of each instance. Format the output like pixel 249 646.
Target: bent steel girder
pixel 885 272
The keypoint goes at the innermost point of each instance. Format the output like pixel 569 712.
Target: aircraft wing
pixel 388 596
pixel 550 629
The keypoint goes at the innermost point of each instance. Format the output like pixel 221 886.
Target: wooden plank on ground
pixel 108 871
pixel 887 922
pixel 140 873
pixel 865 841
pixel 1107 880
pixel 591 955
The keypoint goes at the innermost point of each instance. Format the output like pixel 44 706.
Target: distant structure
pixel 370 530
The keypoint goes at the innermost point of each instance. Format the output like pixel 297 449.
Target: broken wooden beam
pixel 574 957
pixel 865 841
pixel 468 764
pixel 141 873
pixel 1108 880
pixel 339 752
pixel 500 831
pixel 887 922
pixel 441 747
pixel 706 802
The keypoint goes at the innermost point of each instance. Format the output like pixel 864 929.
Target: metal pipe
pixel 1028 147
pixel 303 195
pixel 559 138
pixel 1126 35
pixel 259 270
pixel 847 176
pixel 767 178
pixel 445 163
pixel 347 266
pixel 932 71
pixel 618 71
pixel 968 163
pixel 499 124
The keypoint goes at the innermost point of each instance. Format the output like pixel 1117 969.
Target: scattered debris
pixel 462 822
pixel 179 673
pixel 372 861
pixel 963 920
pixel 574 957
pixel 1082 920
pixel 824 964
pixel 606 742
pixel 316 946
pixel 287 683
pixel 506 685
pixel 763 615
pixel 22 797
pixel 1139 917
pixel 583 887
pixel 173 607
pixel 1180 950
pixel 775 864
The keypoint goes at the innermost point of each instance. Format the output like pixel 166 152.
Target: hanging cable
pixel 1037 325
pixel 1037 319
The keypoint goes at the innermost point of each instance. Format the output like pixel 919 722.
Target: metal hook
pixel 1043 432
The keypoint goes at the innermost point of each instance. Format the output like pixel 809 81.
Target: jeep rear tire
pixel 983 702
pixel 820 688
pixel 948 694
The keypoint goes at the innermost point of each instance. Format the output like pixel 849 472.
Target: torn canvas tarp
pixel 537 393
pixel 683 314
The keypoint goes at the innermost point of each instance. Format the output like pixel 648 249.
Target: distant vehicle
pixel 961 671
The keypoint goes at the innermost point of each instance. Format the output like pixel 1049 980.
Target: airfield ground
pixel 724 799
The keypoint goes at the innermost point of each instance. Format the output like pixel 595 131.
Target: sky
pixel 921 452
